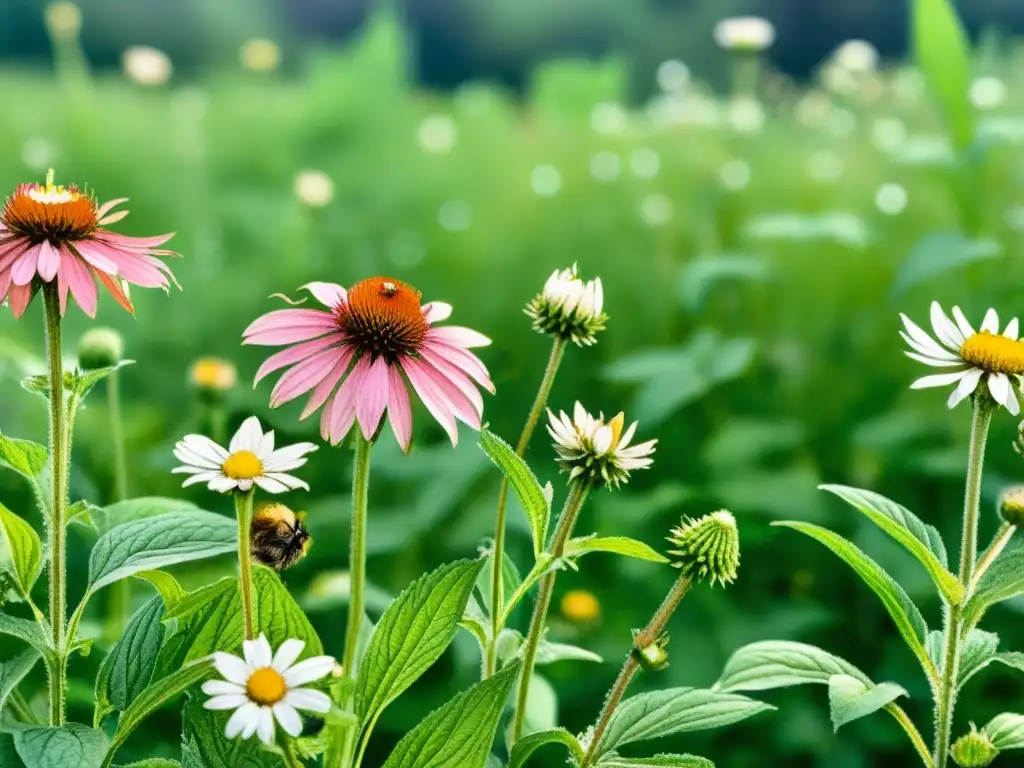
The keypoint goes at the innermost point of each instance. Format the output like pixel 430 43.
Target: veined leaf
pixel 780 664
pixel 526 746
pixel 154 762
pixel 82 382
pixel 134 657
pixel 137 509
pixel 850 699
pixel 921 540
pixel 675 710
pixel 901 608
pixel 168 587
pixel 943 53
pixel 510 581
pixel 23 456
pixel 26 630
pixel 71 744
pixel 619 545
pixel 205 746
pixel 527 489
pixel 459 734
pixel 26 549
pixel 413 633
pixel 200 598
pixel 14 670
pixel 1006 731
pixel 549 653
pixel 664 761
pixel 1012 659
pixel 1004 579
pixel 979 650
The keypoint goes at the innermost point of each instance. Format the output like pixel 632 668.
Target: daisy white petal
pixel 309 700
pixel 933 351
pixel 226 701
pixel 944 328
pixel 991 322
pixel 961 322
pixel 287 654
pixel 309 670
pixel 231 668
pixel 265 725
pixel 239 722
pixel 222 688
pixel 247 437
pixel 922 338
pixel 288 718
pixel 1013 402
pixel 933 361
pixel 1012 329
pixel 257 652
pixel 999 386
pixel 222 484
pixel 937 380
pixel 967 385
pixel 270 485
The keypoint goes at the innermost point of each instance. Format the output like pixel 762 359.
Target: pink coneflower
pixel 373 340
pixel 49 232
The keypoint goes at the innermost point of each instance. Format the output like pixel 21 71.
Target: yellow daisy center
pixel 242 465
pixel 213 373
pixel 580 605
pixel 266 687
pixel 994 353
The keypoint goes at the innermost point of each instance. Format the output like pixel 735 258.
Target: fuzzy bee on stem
pixel 279 538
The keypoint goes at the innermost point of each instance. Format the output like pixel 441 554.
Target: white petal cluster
pixel 745 33
pixel 569 307
pixel 597 451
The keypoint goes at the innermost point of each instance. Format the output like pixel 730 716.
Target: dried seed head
pixel 707 547
pixel 100 348
pixel 974 749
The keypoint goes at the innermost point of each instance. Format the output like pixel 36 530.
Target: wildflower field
pixel 726 269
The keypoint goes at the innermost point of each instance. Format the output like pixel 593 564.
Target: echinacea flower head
pixel 708 547
pixel 974 749
pixel 360 356
pixel 249 460
pixel 569 308
pixel 50 232
pixel 100 348
pixel 748 34
pixel 986 357
pixel 266 686
pixel 597 451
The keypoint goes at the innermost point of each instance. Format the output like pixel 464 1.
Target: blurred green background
pixel 755 255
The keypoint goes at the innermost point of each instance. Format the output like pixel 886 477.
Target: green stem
pixel 58 500
pixel 121 591
pixel 291 760
pixel 243 511
pixel 911 730
pixel 946 703
pixel 578 492
pixel 21 709
pixel 497 588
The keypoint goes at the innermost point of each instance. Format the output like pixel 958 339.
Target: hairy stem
pixel 946 702
pixel 497 587
pixel 243 511
pixel 120 591
pixel 911 730
pixel 58 500
pixel 578 492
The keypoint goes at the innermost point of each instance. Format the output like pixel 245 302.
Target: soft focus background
pixel 756 247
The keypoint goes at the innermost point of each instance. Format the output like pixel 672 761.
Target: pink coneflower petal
pixel 439 408
pixel 436 311
pixel 286 326
pixel 93 253
pixel 328 294
pixel 456 376
pixel 9 252
pixel 343 407
pixel 109 206
pixel 113 285
pixel 465 361
pixel 24 268
pixel 295 354
pixel 301 378
pixel 19 296
pixel 399 409
pixel 49 261
pixel 80 281
pixel 134 243
pixel 324 389
pixel 460 337
pixel 463 408
pixel 373 397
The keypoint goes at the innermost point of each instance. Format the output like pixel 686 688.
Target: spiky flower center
pixel 994 353
pixel 382 317
pixel 242 465
pixel 49 212
pixel 266 687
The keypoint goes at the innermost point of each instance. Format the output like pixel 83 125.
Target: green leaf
pixel 526 746
pixel 1006 731
pixel 850 699
pixel 943 53
pixel 207 747
pixel 23 456
pixel 82 382
pixel 921 540
pixel 13 671
pixel 153 697
pixel 134 657
pixel 26 630
pixel 939 254
pixel 137 509
pixel 82 513
pixel 709 270
pixel 190 756
pixel 665 761
pixel 510 580
pixel 25 547
pixel 675 710
pixel 979 650
pixel 1004 579
pixel 195 601
pixel 170 590
pixel 153 762
pixel 549 653
pixel 460 733
pixel 1012 659
pixel 901 608
pixel 413 633
pixel 780 664
pixel 541 706
pixel 527 489
pixel 618 545
pixel 72 744
pixel 167 539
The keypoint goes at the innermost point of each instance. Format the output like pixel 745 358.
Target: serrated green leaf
pixel 549 653
pixel 156 542
pixel 153 697
pixel 195 601
pixel 850 699
pixel 82 382
pixel 67 745
pixel 23 456
pixel 1012 659
pixel 978 651
pixel 510 581
pixel 675 710
pixel 137 509
pixel 780 664
pixel 921 540
pixel 460 733
pixel 82 513
pixel 618 545
pixel 190 756
pixel 1006 731
pixel 908 619
pixel 664 761
pixel 207 747
pixel 943 53
pixel 153 762
pixel 26 630
pixel 526 746
pixel 133 658
pixel 170 590
pixel 25 547
pixel 1004 579
pixel 527 489
pixel 413 633
pixel 13 672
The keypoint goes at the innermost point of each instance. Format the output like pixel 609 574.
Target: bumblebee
pixel 278 537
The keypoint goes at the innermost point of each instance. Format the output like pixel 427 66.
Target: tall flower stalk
pixel 243 512
pixel 357 552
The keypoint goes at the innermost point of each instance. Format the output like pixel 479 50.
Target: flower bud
pixel 213 378
pixel 974 749
pixel 569 308
pixel 707 547
pixel 100 348
pixel 63 19
pixel 652 657
pixel 1011 505
pixel 597 452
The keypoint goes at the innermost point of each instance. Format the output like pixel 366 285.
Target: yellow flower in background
pixel 63 19
pixel 213 374
pixel 260 55
pixel 580 606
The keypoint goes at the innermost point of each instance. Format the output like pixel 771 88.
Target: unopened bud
pixel 569 308
pixel 1011 505
pixel 652 657
pixel 63 19
pixel 100 348
pixel 974 749
pixel 707 547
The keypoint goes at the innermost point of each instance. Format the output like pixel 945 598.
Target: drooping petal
pixel 81 283
pixel 113 285
pixel 95 255
pixel 399 410
pixel 457 378
pixel 24 268
pixel 135 243
pixel 239 722
pixel 461 337
pixel 460 358
pixel 1013 402
pixel 49 261
pixel 324 389
pixel 457 402
pixel 265 725
pixel 438 406
pixel 967 385
pixel 295 354
pixel 343 407
pixel 302 377
pixel 19 297
pixel 372 398
pixel 288 718
pixel 999 386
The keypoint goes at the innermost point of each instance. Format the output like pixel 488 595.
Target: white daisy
pixel 745 33
pixel 266 685
pixel 249 459
pixel 975 356
pixel 599 452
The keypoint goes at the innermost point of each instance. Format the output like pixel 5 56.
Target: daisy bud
pixel 652 657
pixel 597 452
pixel 213 378
pixel 1011 505
pixel 580 606
pixel 745 34
pixel 100 348
pixel 974 749
pixel 569 308
pixel 708 546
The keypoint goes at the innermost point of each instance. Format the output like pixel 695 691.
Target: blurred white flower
pixel 745 33
pixel 260 55
pixel 673 76
pixel 437 134
pixel 856 56
pixel 841 122
pixel 608 118
pixel 988 92
pixel 63 19
pixel 38 154
pixel 314 188
pixel 745 115
pixel 645 163
pixel 145 65
pixel 888 132
pixel 455 215
pixel 825 165
pixel 837 79
pixel 734 175
pixel 546 180
pixel 925 150
pixel 891 199
pixel 908 84
pixel 813 109
pixel 605 165
pixel 656 209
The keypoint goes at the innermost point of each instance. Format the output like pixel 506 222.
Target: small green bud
pixel 652 657
pixel 974 749
pixel 100 348
pixel 708 546
pixel 1011 505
